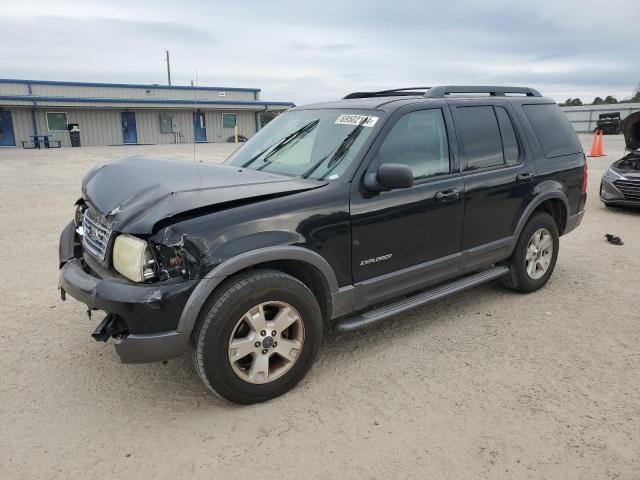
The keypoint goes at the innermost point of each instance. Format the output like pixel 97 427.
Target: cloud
pixel 331 48
pixel 315 51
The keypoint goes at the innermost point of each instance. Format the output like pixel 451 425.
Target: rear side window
pixel 480 137
pixel 555 134
pixel 510 146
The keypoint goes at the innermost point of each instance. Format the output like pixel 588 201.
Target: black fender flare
pixel 550 191
pixel 216 276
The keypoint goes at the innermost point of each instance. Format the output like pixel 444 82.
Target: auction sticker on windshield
pixel 347 119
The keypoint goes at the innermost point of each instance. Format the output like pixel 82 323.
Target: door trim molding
pixel 424 275
pixel 399 282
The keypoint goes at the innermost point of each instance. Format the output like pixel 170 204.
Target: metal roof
pixel 125 85
pixel 38 98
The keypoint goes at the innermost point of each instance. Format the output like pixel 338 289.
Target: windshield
pixel 317 144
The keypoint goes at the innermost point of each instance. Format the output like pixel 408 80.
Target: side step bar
pixel 373 316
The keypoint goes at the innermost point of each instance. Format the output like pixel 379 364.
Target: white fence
pixel 584 118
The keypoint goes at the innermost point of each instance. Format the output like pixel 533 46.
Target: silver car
pixel 620 184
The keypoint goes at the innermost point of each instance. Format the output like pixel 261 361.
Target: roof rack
pixel 444 90
pixel 395 92
pixel 441 91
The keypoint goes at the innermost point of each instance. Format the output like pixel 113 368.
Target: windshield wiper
pixel 337 157
pixel 280 144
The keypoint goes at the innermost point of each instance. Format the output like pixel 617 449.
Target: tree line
pixel 608 100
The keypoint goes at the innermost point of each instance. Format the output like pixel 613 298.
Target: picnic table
pixel 41 141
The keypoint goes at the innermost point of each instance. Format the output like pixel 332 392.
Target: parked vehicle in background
pixel 610 123
pixel 620 185
pixel 349 211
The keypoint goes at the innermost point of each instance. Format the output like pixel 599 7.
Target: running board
pixel 373 316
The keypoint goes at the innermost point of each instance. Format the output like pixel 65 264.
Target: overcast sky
pixel 307 51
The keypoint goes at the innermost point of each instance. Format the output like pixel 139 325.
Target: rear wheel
pixel 257 336
pixel 535 255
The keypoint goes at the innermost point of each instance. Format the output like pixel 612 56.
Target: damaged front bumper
pixel 141 318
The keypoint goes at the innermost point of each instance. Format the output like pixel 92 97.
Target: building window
pixel 166 122
pixel 56 121
pixel 229 120
pixel 266 117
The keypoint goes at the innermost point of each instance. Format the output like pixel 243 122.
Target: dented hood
pixel 135 193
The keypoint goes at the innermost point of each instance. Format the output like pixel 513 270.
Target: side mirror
pixel 389 176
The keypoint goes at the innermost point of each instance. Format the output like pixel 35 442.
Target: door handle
pixel 450 195
pixel 524 177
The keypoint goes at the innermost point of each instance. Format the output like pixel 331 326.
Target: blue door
pixel 6 130
pixel 199 127
pixel 129 132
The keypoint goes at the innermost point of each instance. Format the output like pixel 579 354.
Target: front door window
pixel 418 140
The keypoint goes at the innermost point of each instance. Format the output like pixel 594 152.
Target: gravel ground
pixel 485 384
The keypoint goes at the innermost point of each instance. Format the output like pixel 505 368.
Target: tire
pixel 519 277
pixel 235 314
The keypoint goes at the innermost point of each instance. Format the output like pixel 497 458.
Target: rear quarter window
pixel 555 134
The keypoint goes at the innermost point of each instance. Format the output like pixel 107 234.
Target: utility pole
pixel 168 68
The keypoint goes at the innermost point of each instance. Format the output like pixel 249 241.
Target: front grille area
pixel 95 238
pixel 629 188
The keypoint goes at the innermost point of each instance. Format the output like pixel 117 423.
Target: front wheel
pixel 257 336
pixel 535 255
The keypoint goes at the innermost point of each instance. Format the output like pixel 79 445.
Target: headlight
pixel 611 174
pixel 133 258
pixel 77 218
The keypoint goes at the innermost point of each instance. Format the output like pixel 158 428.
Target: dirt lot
pixel 488 383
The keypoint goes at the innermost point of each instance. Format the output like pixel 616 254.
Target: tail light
pixel 585 175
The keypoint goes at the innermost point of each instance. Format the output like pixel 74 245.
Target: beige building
pixel 116 114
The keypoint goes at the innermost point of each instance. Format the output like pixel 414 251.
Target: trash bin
pixel 75 139
pixel 74 134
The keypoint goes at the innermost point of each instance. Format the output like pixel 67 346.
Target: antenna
pixel 195 116
pixel 195 112
pixel 168 68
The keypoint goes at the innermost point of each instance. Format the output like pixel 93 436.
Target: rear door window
pixel 510 147
pixel 480 136
pixel 555 134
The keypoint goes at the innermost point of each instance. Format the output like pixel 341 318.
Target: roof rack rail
pixel 441 91
pixel 444 90
pixel 395 92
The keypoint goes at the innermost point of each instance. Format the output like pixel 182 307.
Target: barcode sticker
pixel 346 119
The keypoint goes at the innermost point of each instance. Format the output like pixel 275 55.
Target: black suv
pixel 350 211
pixel 609 123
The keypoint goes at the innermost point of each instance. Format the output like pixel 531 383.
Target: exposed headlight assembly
pixel 79 213
pixel 611 174
pixel 133 258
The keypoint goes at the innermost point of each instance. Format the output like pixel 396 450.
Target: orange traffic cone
pixel 601 145
pixel 596 146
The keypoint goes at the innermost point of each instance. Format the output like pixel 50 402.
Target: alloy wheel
pixel 539 253
pixel 266 342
